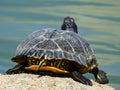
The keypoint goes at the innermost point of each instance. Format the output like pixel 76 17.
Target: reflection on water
pixel 98 22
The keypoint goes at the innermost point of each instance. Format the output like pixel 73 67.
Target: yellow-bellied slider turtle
pixel 58 51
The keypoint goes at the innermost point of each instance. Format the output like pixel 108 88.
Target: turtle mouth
pixel 67 26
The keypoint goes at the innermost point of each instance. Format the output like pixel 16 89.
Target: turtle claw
pixel 80 78
pixel 100 76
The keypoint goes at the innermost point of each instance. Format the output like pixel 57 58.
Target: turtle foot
pixel 102 77
pixel 15 70
pixel 80 78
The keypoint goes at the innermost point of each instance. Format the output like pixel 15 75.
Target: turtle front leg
pixel 15 70
pixel 79 77
pixel 100 76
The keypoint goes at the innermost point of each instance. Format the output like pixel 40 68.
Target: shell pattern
pixel 57 44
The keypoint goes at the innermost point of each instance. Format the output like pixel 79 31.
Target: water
pixel 98 23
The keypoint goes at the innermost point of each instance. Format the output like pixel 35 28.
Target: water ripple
pixel 114 19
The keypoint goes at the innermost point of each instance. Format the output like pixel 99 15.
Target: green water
pixel 98 22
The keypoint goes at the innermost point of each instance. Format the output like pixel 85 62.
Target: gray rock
pixel 34 82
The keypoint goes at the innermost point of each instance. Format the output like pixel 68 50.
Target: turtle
pixel 62 52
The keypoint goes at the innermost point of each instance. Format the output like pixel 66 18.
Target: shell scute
pixel 64 45
pixel 47 44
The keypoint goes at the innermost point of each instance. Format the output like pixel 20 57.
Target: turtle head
pixel 69 24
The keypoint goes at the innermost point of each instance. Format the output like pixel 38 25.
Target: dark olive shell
pixel 57 44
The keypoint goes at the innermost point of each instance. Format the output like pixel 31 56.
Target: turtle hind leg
pixel 15 70
pixel 80 78
pixel 100 76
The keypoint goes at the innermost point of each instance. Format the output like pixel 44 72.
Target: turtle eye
pixel 67 21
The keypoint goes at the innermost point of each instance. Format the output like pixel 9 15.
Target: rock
pixel 36 82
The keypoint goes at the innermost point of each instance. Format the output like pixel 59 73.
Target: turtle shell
pixel 57 44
